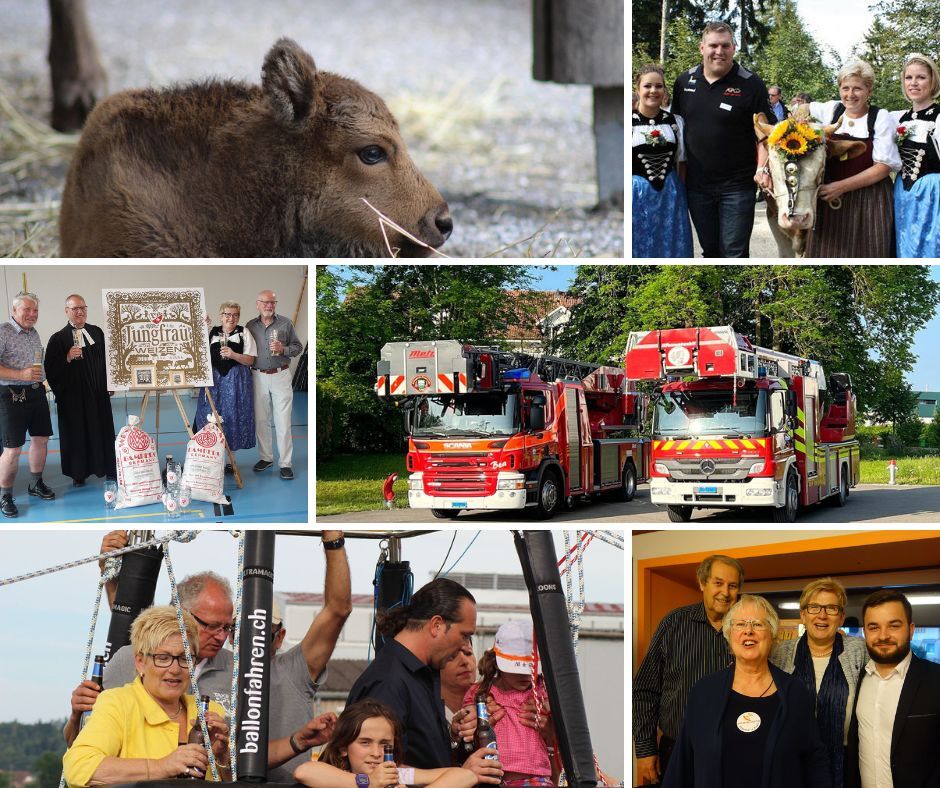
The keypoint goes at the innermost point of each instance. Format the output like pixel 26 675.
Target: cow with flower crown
pixel 799 148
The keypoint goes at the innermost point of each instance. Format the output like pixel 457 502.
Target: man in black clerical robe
pixel 75 369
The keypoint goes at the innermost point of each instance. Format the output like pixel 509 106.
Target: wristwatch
pixel 362 780
pixel 336 544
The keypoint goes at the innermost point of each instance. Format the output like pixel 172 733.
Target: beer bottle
pixel 168 461
pixel 195 735
pixel 97 676
pixel 485 736
pixel 388 752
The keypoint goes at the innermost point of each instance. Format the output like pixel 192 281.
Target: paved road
pixel 868 503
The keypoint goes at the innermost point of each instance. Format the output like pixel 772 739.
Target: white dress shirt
pixel 878 698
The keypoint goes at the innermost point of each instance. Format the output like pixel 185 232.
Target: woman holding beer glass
pixel 139 731
pixel 233 352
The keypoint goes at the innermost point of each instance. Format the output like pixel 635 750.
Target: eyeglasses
pixel 236 315
pixel 831 610
pixel 266 303
pixel 754 624
pixel 213 628
pixel 77 308
pixel 165 660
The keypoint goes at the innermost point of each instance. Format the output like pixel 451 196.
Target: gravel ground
pixel 514 157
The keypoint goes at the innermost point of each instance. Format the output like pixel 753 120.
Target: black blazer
pixel 795 756
pixel 915 738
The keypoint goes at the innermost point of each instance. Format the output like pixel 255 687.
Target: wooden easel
pixel 189 430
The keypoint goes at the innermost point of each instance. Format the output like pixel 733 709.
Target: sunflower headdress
pixel 792 139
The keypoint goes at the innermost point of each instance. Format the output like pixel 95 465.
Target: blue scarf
pixel 830 700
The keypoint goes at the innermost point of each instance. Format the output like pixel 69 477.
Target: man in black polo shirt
pixel 419 639
pixel 687 645
pixel 717 100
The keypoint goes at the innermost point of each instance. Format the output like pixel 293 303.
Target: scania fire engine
pixel 735 425
pixel 490 429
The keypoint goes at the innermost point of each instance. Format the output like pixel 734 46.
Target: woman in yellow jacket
pixel 140 731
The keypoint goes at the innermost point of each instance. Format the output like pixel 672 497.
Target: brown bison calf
pixel 235 170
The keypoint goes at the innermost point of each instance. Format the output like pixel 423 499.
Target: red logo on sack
pixel 138 440
pixel 206 439
pixel 157 319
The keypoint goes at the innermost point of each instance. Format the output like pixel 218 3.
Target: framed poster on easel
pixel 156 338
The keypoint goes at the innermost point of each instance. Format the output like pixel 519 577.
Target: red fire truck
pixel 736 425
pixel 490 429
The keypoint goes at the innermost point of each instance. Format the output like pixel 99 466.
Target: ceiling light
pixel 924 600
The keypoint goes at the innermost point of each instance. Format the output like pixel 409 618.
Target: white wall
pixel 224 281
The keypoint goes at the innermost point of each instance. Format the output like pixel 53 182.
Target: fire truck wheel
pixel 787 512
pixel 628 484
pixel 843 495
pixel 549 497
pixel 445 514
pixel 679 514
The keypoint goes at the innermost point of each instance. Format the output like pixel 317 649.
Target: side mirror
pixel 537 418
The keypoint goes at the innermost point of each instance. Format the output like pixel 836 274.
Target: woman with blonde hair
pixel 855 212
pixel 917 189
pixel 827 662
pixel 661 226
pixel 140 731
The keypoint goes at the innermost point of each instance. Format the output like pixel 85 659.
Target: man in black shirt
pixel 687 645
pixel 717 100
pixel 420 639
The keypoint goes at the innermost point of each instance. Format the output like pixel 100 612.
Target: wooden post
pixel 228 449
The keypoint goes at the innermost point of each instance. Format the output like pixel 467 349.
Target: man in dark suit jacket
pixel 894 674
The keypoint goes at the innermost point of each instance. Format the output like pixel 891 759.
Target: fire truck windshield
pixel 691 414
pixel 472 415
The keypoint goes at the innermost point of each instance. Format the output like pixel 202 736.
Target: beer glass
pixel 110 494
pixel 77 339
pixel 274 338
pixel 37 362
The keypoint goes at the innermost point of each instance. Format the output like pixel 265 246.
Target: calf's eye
pixel 372 154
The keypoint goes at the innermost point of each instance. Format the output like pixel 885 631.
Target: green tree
pixel 932 431
pixel 47 770
pixel 6 780
pixel 682 52
pixel 360 308
pixel 843 316
pixel 748 17
pixel 792 58
pixel 895 403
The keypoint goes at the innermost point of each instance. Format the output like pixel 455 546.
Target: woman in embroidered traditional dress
pixel 917 188
pixel 661 225
pixel 233 352
pixel 855 212
pixel 828 664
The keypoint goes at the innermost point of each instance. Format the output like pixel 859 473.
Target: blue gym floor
pixel 265 497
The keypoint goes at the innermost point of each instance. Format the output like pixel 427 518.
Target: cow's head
pixel 798 151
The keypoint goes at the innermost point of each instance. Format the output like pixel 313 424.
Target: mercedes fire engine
pixel 736 425
pixel 490 429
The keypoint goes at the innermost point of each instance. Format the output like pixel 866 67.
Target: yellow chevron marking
pixel 668 445
pixel 714 444
pixel 699 444
pixel 801 432
pixel 800 414
pixel 656 444
pixel 731 444
pixel 800 447
pixel 681 446
pixel 747 444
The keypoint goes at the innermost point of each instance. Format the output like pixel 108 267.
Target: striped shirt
pixel 684 648
pixel 19 348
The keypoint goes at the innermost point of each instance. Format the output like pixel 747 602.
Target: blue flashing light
pixel 517 374
pixel 762 372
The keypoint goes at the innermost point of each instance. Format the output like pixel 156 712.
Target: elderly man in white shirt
pixel 895 730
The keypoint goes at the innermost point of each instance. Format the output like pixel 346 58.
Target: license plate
pixel 707 490
pixel 458 505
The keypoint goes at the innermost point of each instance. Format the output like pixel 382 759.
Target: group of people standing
pixel 695 155
pixel 418 701
pixel 252 389
pixel 735 706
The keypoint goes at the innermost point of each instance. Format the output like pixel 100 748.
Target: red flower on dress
pixel 901 134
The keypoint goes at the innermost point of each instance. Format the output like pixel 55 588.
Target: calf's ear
pixel 844 149
pixel 288 79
